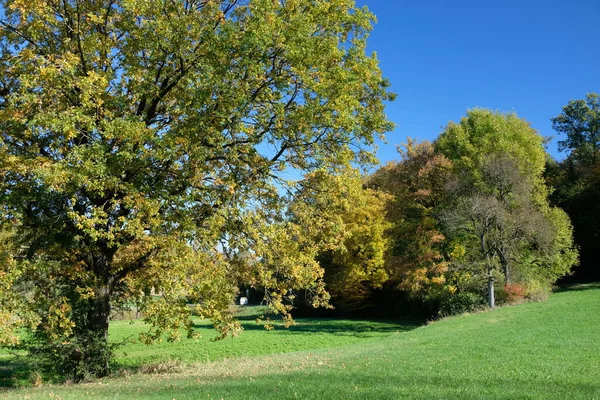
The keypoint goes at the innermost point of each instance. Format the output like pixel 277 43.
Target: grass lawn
pixel 547 350
pixel 254 340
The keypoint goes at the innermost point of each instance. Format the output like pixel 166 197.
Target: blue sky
pixel 444 57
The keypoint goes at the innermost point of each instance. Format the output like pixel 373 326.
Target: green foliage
pixel 580 122
pixel 141 138
pixel 577 178
pixel 563 253
pixel 483 133
pixel 354 262
pixel 459 303
pixel 497 210
pixel 12 301
pixel 75 359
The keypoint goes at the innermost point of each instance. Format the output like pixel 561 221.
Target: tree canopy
pixel 139 139
pixel 415 259
pixel 354 263
pixel 500 198
pixel 580 122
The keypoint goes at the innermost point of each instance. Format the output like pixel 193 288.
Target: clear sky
pixel 444 57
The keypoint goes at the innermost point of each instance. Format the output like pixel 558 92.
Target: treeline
pixel 474 218
pixel 576 180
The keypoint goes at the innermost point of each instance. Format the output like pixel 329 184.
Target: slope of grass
pixel 538 350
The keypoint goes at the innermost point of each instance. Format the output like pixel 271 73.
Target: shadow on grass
pixel 12 371
pixel 342 327
pixel 334 327
pixel 577 287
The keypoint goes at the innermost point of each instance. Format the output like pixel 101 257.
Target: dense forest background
pixel 576 180
pixel 481 215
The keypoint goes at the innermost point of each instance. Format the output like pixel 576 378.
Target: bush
pixel 459 303
pixel 78 359
pixel 537 291
pixel 511 293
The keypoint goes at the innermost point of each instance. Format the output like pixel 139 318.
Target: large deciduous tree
pixel 353 263
pixel 415 260
pixel 498 204
pixel 139 139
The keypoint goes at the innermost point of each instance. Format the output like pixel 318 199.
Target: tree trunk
pixel 92 359
pixel 98 321
pixel 505 269
pixel 491 299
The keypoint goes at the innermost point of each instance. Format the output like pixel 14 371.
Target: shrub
pixel 76 360
pixel 459 303
pixel 511 293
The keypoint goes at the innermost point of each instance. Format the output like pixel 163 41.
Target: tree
pixel 140 137
pixel 580 121
pixel 521 225
pixel 483 133
pixel 353 263
pixel 415 261
pixel 477 216
pixel 499 213
pixel 501 198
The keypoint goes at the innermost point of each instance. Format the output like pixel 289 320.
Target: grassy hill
pixel 536 350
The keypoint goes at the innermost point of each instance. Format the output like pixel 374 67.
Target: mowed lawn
pixel 254 340
pixel 548 350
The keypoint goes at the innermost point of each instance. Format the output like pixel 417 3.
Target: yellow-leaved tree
pixel 354 228
pixel 139 139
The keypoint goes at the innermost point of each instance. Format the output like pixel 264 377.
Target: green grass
pixel 307 334
pixel 547 350
pixel 254 340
